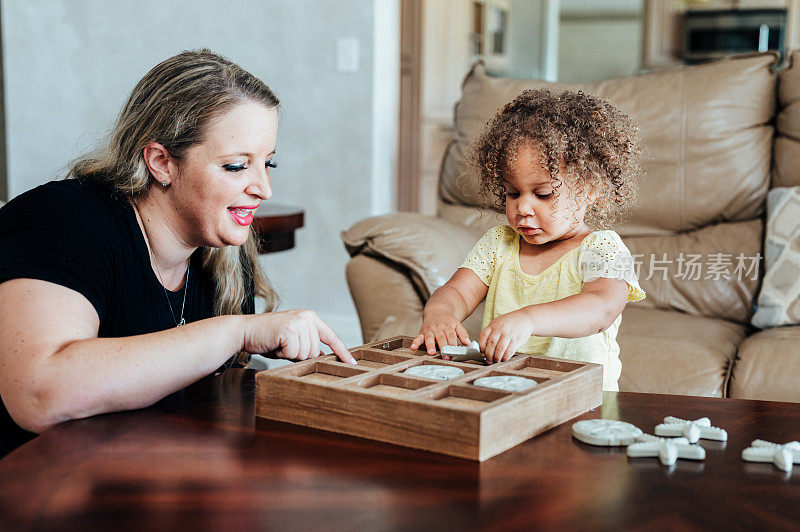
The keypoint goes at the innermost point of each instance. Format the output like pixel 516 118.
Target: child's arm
pixel 589 312
pixel 447 307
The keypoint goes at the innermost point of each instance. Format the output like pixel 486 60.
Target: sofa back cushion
pixel 708 131
pixel 713 271
pixel 787 141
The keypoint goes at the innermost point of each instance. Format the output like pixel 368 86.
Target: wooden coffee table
pixel 201 460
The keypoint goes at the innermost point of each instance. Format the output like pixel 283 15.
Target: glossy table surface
pixel 200 459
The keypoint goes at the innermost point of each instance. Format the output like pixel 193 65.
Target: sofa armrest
pixel 398 260
pixel 430 248
pixel 382 292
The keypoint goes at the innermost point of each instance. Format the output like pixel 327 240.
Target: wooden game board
pixel 376 400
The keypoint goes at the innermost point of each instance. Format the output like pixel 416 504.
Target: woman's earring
pixel 164 183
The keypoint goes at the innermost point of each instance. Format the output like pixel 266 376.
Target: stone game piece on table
pixel 434 371
pixel 667 450
pixel 782 455
pixel 691 430
pixel 454 350
pixel 460 353
pixel 605 432
pixel 644 437
pixel 509 383
pixel 473 347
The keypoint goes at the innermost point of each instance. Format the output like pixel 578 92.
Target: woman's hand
pixel 442 328
pixel 504 335
pixel 292 334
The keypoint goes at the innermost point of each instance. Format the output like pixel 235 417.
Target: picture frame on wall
pixel 489 36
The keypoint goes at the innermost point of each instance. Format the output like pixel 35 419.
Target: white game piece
pixel 506 382
pixel 783 456
pixel 460 353
pixel 451 350
pixel 605 432
pixel 649 437
pixel 433 371
pixel 667 450
pixel 261 363
pixel 692 430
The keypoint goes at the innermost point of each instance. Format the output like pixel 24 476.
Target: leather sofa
pixel 718 137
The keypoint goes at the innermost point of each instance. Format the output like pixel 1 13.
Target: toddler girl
pixel 558 163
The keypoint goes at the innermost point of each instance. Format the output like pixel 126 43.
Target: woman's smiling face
pixel 220 182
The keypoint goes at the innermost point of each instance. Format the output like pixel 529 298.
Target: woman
pixel 100 273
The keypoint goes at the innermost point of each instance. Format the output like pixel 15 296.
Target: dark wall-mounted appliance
pixel 714 34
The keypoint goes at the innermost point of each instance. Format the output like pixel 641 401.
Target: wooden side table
pixel 275 225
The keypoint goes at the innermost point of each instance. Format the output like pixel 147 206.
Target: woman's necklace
pixel 161 278
pixel 185 289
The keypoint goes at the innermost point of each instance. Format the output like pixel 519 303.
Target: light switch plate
pixel 347 55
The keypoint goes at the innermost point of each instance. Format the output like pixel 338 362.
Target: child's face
pixel 531 208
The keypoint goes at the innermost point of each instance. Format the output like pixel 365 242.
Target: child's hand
pixel 501 338
pixel 442 328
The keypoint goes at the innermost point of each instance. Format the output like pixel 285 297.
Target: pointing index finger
pixel 329 338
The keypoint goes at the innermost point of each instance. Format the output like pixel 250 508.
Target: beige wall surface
pixel 69 65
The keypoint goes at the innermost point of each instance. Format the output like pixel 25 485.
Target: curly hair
pixel 593 144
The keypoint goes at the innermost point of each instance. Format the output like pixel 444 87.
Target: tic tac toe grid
pixel 376 400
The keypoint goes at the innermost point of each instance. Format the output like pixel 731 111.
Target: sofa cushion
pixel 707 128
pixel 786 172
pixel 671 352
pixel 768 366
pixel 713 271
pixel 779 299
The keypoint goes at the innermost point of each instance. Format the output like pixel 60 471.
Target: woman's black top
pixel 82 235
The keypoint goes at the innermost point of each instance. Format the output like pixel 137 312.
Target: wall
pixel 525 43
pixel 599 40
pixel 445 62
pixel 591 50
pixel 70 64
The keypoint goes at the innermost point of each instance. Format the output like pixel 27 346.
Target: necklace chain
pixel 185 289
pixel 161 280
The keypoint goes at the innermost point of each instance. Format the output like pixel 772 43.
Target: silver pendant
pixel 181 323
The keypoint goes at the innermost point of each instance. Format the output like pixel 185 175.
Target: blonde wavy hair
pixel 172 105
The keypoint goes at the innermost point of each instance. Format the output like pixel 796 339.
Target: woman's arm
pixel 54 368
pixel 591 311
pixel 448 306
